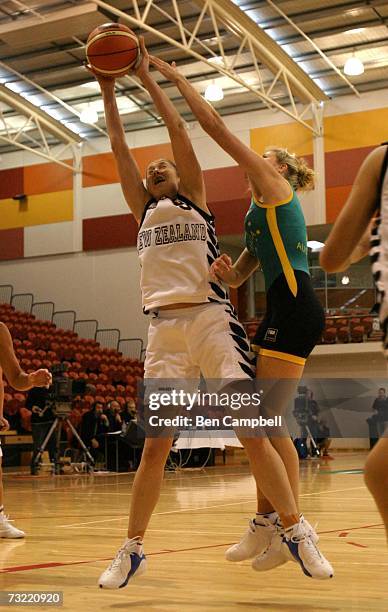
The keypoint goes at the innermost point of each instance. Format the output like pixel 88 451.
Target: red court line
pixel 358 545
pixel 22 568
pixel 351 528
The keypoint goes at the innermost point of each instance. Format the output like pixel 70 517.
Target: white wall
pixel 99 285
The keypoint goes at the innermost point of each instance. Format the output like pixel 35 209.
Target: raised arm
pixel 189 170
pixel 348 240
pixel 16 377
pixel 131 181
pixel 266 182
pixel 235 274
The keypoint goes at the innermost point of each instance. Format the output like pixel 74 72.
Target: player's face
pixel 162 179
pixel 271 159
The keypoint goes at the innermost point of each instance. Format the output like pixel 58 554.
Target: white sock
pixel 136 539
pixel 271 516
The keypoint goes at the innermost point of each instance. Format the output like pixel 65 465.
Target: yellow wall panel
pixel 355 130
pixel 37 210
pixel 293 136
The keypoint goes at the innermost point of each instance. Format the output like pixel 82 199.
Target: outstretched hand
pixel 170 71
pixel 104 81
pixel 142 67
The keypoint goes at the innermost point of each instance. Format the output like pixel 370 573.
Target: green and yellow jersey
pixel 276 234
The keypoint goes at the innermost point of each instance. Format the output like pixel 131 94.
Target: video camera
pixel 64 389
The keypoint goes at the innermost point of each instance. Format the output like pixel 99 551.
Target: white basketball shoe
pixel 255 540
pixel 277 552
pixel 130 562
pixel 305 552
pixel 7 530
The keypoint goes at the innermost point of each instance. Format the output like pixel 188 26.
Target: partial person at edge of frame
pixel 362 228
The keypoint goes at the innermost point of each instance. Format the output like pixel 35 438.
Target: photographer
pixel 94 426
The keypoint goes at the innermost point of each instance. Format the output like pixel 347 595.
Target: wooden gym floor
pixel 74 525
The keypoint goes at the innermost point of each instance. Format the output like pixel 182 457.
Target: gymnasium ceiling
pixel 44 86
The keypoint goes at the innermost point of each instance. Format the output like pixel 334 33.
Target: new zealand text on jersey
pixel 167 234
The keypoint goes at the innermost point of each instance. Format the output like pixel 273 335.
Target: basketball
pixel 112 49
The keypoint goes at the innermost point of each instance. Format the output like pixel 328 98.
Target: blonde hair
pixel 300 176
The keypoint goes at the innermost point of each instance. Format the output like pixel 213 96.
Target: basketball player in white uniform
pixel 193 329
pixel 22 382
pixel 362 226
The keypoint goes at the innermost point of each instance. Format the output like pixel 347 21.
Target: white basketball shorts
pixel 206 339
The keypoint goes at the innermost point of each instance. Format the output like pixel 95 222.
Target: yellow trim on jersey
pixel 278 355
pixel 281 251
pixel 261 204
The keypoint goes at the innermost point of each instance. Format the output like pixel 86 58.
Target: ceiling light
pixel 214 92
pixel 315 245
pixel 91 85
pixel 89 115
pixel 345 280
pixel 353 66
pixel 355 31
pixel 216 59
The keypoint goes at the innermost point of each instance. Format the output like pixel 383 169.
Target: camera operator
pixel 94 426
pixel 306 412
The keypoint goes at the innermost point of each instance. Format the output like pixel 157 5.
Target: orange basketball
pixel 112 49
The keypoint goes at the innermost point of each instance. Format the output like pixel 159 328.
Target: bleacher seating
pixel 340 327
pixel 40 344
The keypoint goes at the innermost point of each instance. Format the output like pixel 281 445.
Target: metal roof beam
pixel 36 121
pixel 313 14
pixel 251 40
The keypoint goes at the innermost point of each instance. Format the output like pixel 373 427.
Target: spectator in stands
pixel 113 412
pixel 94 426
pixel 13 417
pixel 22 381
pixel 128 412
pixel 42 418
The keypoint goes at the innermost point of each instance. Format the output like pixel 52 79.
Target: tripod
pixel 62 411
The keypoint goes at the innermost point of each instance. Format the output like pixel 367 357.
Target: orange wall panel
pixel 145 155
pixel 293 136
pixel 355 130
pixel 47 178
pixel 335 200
pixel 101 169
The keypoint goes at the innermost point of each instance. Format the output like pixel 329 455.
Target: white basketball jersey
pixel 177 244
pixel 379 252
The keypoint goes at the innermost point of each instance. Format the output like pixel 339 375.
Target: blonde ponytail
pixel 300 176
